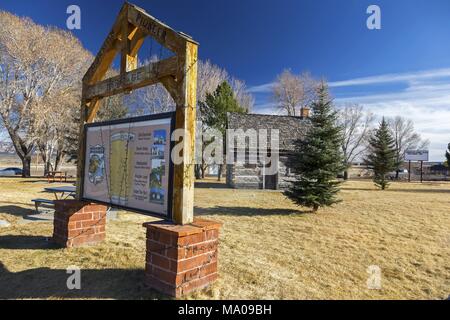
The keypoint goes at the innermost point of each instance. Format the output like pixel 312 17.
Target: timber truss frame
pixel 178 74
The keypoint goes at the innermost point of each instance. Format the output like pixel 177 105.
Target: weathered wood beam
pixel 159 31
pixel 137 41
pixel 186 99
pixel 128 62
pixel 174 88
pixel 144 76
pixel 107 52
pixel 84 109
pixel 92 111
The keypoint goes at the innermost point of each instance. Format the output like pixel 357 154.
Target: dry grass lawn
pixel 268 249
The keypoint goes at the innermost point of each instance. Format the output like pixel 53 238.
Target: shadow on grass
pixel 401 190
pixel 246 211
pixel 16 211
pixel 44 180
pixel 45 213
pixel 16 242
pixel 210 185
pixel 43 283
pixel 33 180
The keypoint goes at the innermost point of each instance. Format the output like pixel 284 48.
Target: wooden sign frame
pixel 177 74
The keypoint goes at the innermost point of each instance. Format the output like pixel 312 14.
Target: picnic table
pixel 62 193
pixel 53 176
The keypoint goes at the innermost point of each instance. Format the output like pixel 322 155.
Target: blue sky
pixel 402 69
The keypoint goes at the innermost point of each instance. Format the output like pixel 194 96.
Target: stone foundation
pixel 78 223
pixel 181 259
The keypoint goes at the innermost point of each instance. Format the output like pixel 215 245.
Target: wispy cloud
pixel 394 77
pixel 267 108
pixel 422 96
pixel 264 88
pixel 408 77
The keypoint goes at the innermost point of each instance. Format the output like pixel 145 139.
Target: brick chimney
pixel 304 112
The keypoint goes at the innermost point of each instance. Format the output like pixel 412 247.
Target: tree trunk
pixel 203 170
pixel 44 158
pixel 219 175
pixel 346 175
pixel 46 163
pixel 197 171
pixel 23 151
pixel 26 167
pixel 47 167
pixel 58 158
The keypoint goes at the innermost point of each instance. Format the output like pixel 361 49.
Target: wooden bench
pixel 53 176
pixel 39 202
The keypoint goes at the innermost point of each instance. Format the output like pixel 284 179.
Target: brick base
pixel 181 259
pixel 78 223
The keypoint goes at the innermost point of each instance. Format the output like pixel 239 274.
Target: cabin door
pixel 271 182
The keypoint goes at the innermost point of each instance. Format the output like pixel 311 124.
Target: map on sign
pixel 416 155
pixel 128 164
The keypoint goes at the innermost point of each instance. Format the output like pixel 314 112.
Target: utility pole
pixel 409 171
pixel 421 171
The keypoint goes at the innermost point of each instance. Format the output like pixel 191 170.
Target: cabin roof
pixel 290 128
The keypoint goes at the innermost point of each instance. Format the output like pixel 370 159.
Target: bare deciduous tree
pixel 356 126
pixel 38 67
pixel 208 79
pixel 292 92
pixel 51 122
pixel 210 76
pixel 405 138
pixel 151 99
pixel 111 108
pixel 244 99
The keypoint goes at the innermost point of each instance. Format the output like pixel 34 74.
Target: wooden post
pixel 128 61
pixel 409 171
pixel 421 171
pixel 81 151
pixel 184 178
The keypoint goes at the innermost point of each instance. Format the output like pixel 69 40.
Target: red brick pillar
pixel 181 259
pixel 78 223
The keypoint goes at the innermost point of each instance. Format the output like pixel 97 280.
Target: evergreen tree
pixel 382 154
pixel 447 155
pixel 216 107
pixel 317 158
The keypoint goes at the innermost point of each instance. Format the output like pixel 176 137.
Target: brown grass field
pixel 269 248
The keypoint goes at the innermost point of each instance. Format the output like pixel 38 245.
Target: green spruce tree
pixel 217 105
pixel 447 155
pixel 317 158
pixel 215 108
pixel 382 155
